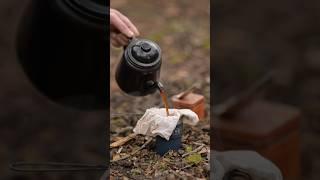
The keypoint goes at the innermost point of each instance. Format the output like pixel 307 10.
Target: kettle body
pixel 62 47
pixel 138 71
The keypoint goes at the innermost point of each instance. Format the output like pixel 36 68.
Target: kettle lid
pixel 143 52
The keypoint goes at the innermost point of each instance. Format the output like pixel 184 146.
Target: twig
pixel 186 136
pixel 196 143
pixel 134 152
pixel 190 165
pixel 123 140
pixel 119 150
pixel 168 161
pixel 194 151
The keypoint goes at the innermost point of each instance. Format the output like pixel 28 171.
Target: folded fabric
pixel 156 122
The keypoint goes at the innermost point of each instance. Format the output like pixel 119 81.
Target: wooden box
pixel 192 101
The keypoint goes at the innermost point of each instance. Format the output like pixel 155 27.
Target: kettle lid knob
pixel 145 47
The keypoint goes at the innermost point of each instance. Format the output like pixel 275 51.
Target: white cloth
pixel 156 122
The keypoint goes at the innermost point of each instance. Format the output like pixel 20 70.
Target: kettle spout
pixel 160 86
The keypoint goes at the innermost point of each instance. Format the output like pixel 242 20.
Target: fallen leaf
pixel 188 149
pixel 195 158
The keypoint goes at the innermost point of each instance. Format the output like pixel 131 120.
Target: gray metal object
pixel 242 165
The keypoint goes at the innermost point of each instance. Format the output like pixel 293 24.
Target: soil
pixel 147 164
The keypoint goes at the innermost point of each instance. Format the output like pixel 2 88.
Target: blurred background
pixel 34 127
pixel 253 37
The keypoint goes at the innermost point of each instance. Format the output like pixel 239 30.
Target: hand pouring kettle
pixel 138 72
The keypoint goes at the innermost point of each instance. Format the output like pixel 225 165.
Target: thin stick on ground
pixel 194 151
pixel 134 152
pixel 186 167
pixel 123 140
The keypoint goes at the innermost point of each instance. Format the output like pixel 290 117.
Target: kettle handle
pixel 130 40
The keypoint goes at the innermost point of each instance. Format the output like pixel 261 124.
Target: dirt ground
pixel 181 28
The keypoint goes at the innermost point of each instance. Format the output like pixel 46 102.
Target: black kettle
pixel 62 46
pixel 138 71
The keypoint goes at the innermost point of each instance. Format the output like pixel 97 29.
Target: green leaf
pixel 194 158
pixel 189 149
